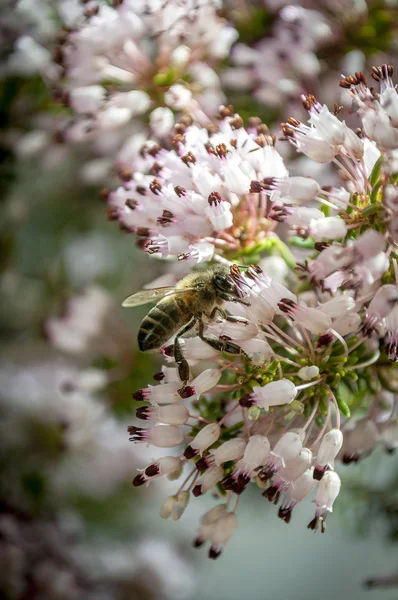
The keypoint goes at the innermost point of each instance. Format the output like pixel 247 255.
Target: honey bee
pixel 184 306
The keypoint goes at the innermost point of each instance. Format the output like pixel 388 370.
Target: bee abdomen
pixel 158 327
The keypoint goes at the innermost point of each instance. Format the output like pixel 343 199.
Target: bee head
pixel 224 284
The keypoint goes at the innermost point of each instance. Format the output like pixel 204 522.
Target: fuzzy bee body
pixel 162 322
pixel 178 309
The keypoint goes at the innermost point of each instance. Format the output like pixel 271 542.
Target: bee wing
pixel 151 295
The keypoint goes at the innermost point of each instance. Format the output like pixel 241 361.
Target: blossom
pixel 327 493
pixel 127 54
pixel 202 196
pixel 276 66
pixel 291 358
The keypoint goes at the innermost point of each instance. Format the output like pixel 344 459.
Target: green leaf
pixel 375 174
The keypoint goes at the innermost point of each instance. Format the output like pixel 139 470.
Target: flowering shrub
pixel 302 370
pixel 291 366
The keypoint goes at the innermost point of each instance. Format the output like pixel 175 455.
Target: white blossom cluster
pixel 140 57
pixel 62 442
pixel 304 372
pixel 307 46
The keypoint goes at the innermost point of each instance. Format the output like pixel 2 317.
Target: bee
pixel 178 309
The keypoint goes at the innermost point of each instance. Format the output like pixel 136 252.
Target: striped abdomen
pixel 162 322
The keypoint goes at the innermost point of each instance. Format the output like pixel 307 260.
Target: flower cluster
pixel 308 44
pixel 297 371
pixel 136 57
pixel 198 198
pixel 280 66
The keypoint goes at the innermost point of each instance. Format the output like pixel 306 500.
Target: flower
pixel 291 358
pixel 202 197
pixel 327 493
pixel 127 59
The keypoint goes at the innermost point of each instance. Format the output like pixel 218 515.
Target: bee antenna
pixel 243 266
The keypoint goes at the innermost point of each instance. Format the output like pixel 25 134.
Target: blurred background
pixel 71 525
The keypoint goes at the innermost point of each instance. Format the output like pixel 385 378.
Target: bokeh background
pixel 71 525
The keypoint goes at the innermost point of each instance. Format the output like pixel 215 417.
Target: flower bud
pixel 275 393
pixel 178 97
pixel 166 393
pixel 214 514
pixel 294 468
pixel 236 180
pixel 308 373
pixel 346 324
pixel 167 507
pixel 239 331
pixel 337 306
pixel 87 99
pixel 389 435
pixel 161 121
pixel 303 216
pixel 180 505
pixel 312 319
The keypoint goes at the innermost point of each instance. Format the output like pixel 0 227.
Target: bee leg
pixel 182 363
pixel 221 345
pixel 227 317
pixel 216 310
pixel 229 298
pixel 232 319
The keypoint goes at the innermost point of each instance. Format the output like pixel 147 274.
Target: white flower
pixel 327 452
pixel 287 447
pixel 312 319
pixel 171 414
pixel 359 440
pixel 296 189
pixel 202 383
pixel 161 436
pixel 327 492
pixel 295 492
pixel 178 97
pixel 165 465
pixel 328 228
pixel 219 213
pixel 208 480
pixel 87 99
pixel 203 440
pixel 161 121
pixel 327 125
pixel 230 450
